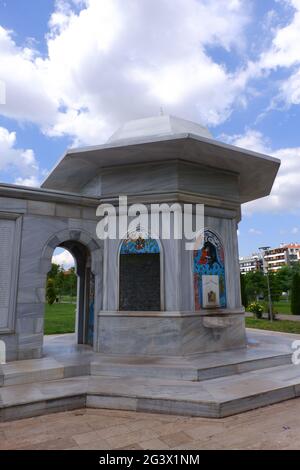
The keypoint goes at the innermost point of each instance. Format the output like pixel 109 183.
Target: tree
pixel 244 294
pixel 295 294
pixel 55 268
pixel 275 287
pixel 50 292
pixel 285 277
pixel 255 284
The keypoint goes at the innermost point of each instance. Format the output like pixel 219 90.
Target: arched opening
pixel 61 294
pixel 140 275
pixel 209 273
pixel 73 306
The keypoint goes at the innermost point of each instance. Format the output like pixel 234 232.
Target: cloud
pixel 284 50
pixel 254 231
pixel 28 97
pixel 64 259
pixel 109 61
pixel 284 53
pixel 285 195
pixel 20 163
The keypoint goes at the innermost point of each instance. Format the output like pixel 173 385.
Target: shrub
pixel 50 292
pixel 257 309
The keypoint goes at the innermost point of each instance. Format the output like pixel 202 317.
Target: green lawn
pixel 68 298
pixel 282 307
pixel 285 326
pixel 59 318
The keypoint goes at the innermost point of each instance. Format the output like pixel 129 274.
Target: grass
pixel 59 319
pixel 285 326
pixel 68 298
pixel 283 307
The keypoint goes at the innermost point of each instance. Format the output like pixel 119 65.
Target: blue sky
pixel 75 70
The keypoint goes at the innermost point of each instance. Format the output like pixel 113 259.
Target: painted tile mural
pixel 209 261
pixel 140 245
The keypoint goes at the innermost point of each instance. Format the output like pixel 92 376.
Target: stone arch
pixel 87 253
pixel 142 272
pixel 209 273
pixel 75 235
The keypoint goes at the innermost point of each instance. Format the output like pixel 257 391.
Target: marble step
pixel 194 368
pixel 34 399
pixel 41 370
pixel 214 398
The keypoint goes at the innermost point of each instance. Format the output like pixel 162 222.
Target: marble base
pixel 170 333
pixel 208 385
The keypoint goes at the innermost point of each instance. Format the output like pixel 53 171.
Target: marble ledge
pixel 217 313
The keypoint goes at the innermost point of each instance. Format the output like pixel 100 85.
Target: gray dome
pixel 156 127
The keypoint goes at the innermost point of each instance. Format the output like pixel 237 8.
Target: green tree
pixel 255 284
pixel 55 269
pixel 275 287
pixel 285 277
pixel 50 292
pixel 295 294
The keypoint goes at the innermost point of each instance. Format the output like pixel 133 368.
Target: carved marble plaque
pixel 7 239
pixel 211 291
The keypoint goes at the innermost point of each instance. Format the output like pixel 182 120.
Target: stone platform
pixel 208 385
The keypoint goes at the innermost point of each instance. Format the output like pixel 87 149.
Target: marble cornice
pixel 46 195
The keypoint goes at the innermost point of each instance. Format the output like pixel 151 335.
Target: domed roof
pixel 157 126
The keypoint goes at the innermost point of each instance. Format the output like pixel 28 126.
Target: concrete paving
pixel 274 427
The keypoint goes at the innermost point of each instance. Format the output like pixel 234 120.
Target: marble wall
pixel 40 220
pixel 168 333
pixel 162 177
pixel 39 227
pixel 177 268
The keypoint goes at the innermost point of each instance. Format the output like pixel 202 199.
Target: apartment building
pixel 284 255
pixel 250 263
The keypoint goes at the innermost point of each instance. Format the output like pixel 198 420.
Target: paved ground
pixel 273 427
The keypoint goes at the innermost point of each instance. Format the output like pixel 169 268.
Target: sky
pixel 75 70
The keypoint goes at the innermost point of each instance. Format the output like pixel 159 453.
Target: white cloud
pixel 252 140
pixel 285 53
pixel 17 161
pixel 110 60
pixel 28 97
pixel 285 195
pixel 254 231
pixel 290 89
pixel 64 259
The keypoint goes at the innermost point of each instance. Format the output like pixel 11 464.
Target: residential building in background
pixel 275 258
pixel 250 263
pixel 284 255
